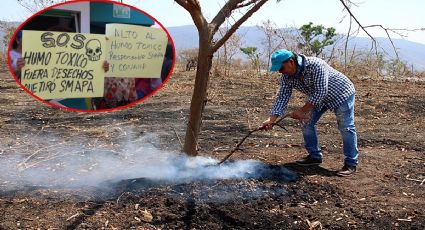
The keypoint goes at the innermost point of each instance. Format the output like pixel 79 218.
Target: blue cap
pixel 278 57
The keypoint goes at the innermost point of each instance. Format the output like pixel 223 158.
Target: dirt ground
pixel 387 192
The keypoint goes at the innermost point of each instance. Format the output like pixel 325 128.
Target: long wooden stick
pixel 249 134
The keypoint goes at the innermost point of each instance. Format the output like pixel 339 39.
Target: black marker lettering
pixel 59 41
pixel 79 39
pixel 37 58
pixel 48 41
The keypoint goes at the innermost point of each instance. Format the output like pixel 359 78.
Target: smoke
pixel 72 164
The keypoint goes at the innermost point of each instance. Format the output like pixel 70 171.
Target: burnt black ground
pixel 389 118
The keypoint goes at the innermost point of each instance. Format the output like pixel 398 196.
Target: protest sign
pixel 135 51
pixel 63 65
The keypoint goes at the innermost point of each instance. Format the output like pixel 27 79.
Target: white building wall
pixel 84 9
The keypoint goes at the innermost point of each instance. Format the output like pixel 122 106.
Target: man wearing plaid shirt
pixel 327 89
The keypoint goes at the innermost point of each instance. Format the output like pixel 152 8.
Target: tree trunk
pixel 199 95
pixel 205 55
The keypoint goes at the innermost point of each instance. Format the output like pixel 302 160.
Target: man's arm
pixel 282 98
pixel 279 106
pixel 303 114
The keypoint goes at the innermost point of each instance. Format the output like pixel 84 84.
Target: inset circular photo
pixel 91 56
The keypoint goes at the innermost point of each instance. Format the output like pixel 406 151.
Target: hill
pixel 411 52
pixel 185 37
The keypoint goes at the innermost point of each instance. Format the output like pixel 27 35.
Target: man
pixel 327 89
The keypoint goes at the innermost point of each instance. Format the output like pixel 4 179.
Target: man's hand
pixel 268 124
pixel 303 114
pixel 105 66
pixel 20 63
pixel 300 115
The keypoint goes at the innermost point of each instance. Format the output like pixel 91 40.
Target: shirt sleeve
pixel 281 102
pixel 320 84
pixel 14 60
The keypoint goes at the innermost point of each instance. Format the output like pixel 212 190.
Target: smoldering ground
pixel 135 163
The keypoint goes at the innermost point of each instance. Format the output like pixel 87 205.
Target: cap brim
pixel 275 67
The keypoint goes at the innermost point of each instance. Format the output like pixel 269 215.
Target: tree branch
pixel 246 4
pixel 387 30
pixel 224 13
pixel 194 8
pixel 361 26
pixel 395 30
pixel 346 44
pixel 184 4
pixel 354 17
pixel 388 35
pixel 33 6
pixel 235 26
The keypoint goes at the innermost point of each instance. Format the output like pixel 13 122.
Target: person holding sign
pixel 136 56
pixel 16 59
pixel 66 67
pixel 119 92
pixel 145 86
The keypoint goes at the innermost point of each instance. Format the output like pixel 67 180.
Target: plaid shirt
pixel 324 86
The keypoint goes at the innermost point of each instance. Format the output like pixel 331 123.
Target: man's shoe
pixel 346 171
pixel 308 161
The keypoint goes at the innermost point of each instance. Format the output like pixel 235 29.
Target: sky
pixel 394 14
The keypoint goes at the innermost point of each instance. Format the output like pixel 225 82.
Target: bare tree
pixel 35 5
pixel 189 57
pixel 8 30
pixel 348 4
pixel 8 33
pixel 207 48
pixel 290 36
pixel 273 38
pixel 229 49
pixel 398 31
pixel 187 54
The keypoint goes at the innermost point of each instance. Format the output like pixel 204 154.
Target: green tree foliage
pixel 316 38
pixel 253 55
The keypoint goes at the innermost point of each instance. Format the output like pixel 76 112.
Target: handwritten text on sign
pixel 63 65
pixel 135 51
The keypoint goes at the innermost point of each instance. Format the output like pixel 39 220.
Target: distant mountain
pixel 187 37
pixel 413 53
pixel 184 37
